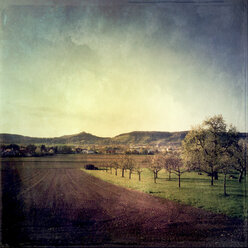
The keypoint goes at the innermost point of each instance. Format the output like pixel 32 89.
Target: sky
pixel 110 67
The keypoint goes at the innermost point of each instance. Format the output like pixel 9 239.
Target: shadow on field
pixel 27 220
pixel 12 208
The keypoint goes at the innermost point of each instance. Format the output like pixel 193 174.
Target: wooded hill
pixel 83 138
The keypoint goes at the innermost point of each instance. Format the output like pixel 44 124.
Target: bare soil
pixel 64 206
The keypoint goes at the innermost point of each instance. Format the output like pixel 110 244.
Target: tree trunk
pixel 116 172
pixel 122 174
pixel 225 184
pixel 154 174
pixel 169 175
pixel 216 175
pixel 130 174
pixel 179 180
pixel 139 176
pixel 240 176
pixel 212 176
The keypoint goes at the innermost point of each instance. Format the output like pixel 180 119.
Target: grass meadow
pixel 195 190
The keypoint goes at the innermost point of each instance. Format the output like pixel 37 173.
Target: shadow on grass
pixel 156 192
pixel 235 195
pixel 196 180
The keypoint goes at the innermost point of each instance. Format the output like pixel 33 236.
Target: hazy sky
pixel 108 67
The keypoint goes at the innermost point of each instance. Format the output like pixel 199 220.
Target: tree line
pixel 210 148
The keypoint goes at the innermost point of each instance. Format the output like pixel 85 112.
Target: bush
pixel 90 167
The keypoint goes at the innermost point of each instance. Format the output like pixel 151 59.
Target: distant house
pixel 91 152
pixel 51 151
pixel 150 151
pixel 114 150
pixel 10 152
pixel 78 150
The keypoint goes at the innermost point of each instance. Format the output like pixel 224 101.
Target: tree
pixel 64 150
pixel 204 146
pixel 166 165
pixel 31 149
pixel 176 166
pixel 139 170
pixel 105 167
pixel 226 167
pixel 156 165
pixel 115 165
pixel 240 157
pixel 14 147
pixel 123 165
pixel 130 165
pixel 110 167
pixel 43 148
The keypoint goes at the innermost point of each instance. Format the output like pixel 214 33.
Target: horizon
pixel 74 134
pixel 113 68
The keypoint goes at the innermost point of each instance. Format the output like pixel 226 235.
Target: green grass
pixel 195 190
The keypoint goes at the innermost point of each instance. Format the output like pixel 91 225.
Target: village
pixel 14 150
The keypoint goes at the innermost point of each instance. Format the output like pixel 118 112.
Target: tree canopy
pixel 205 145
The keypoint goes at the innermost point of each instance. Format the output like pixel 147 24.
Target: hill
pixel 83 138
pixel 152 138
pixel 6 138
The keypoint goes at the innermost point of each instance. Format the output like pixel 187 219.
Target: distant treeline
pixel 14 150
pixel 31 150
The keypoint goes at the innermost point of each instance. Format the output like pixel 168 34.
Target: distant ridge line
pixel 83 138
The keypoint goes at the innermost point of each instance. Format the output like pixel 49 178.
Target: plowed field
pixel 63 206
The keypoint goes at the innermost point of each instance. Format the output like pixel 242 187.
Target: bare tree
pixel 104 167
pixel 226 168
pixel 139 170
pixel 166 165
pixel 169 172
pixel 155 165
pixel 110 166
pixel 175 163
pixel 123 165
pixel 128 163
pixel 116 166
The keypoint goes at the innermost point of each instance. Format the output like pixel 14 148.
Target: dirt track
pixel 65 206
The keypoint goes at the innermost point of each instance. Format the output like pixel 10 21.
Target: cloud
pixel 109 69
